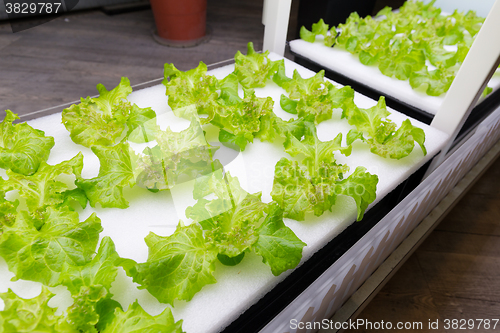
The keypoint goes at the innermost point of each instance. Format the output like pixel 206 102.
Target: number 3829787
pixel 32 7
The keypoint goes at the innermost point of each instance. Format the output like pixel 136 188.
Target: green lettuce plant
pixel 312 184
pixel 384 138
pixel 22 148
pixel 106 119
pixel 410 44
pixel 225 228
pixel 313 97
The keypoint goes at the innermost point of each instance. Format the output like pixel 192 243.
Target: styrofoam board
pixel 482 8
pixel 238 287
pixel 343 62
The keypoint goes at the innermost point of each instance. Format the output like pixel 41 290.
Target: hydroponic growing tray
pixel 218 305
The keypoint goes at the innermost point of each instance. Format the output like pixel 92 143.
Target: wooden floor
pixel 455 273
pixel 62 60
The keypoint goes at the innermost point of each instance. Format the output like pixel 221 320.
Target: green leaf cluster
pixel 314 97
pixel 35 315
pixel 373 127
pixel 403 44
pixel 217 101
pixel 312 184
pixel 115 173
pixel 106 124
pixel 43 240
pixel 224 228
pixel 272 127
pixel 241 122
pixel 41 190
pixel 106 119
pixel 8 209
pixel 236 221
pixel 22 148
pixel 319 29
pixel 61 252
pixel 177 157
pixel 178 266
pixel 31 315
pixel 192 88
pixel 38 252
pixel 89 286
pixel 136 320
pixel 254 69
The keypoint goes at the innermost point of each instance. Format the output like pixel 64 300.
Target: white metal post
pixel 275 18
pixel 478 67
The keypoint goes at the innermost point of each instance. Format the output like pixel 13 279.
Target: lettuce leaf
pixel 115 173
pixel 39 254
pixel 90 287
pixel 218 102
pixel 141 124
pixel 320 28
pixel 82 314
pixel 193 87
pixel 241 122
pixel 35 315
pixel 8 209
pixel 106 119
pixel 279 247
pixel 373 127
pixel 43 189
pixel 178 266
pixel 435 82
pixel 292 191
pixel 315 152
pixel 272 127
pixel 136 320
pixel 22 148
pixel 178 156
pixel 229 90
pixel 238 118
pixel 298 193
pixel 232 219
pixel 237 222
pixel 313 97
pixel 100 271
pixel 254 69
pixel 31 315
pixel 400 60
pixel 313 184
pixel 360 186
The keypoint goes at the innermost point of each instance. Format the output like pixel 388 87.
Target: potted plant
pixel 180 23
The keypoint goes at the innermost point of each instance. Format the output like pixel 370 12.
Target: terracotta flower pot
pixel 180 21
